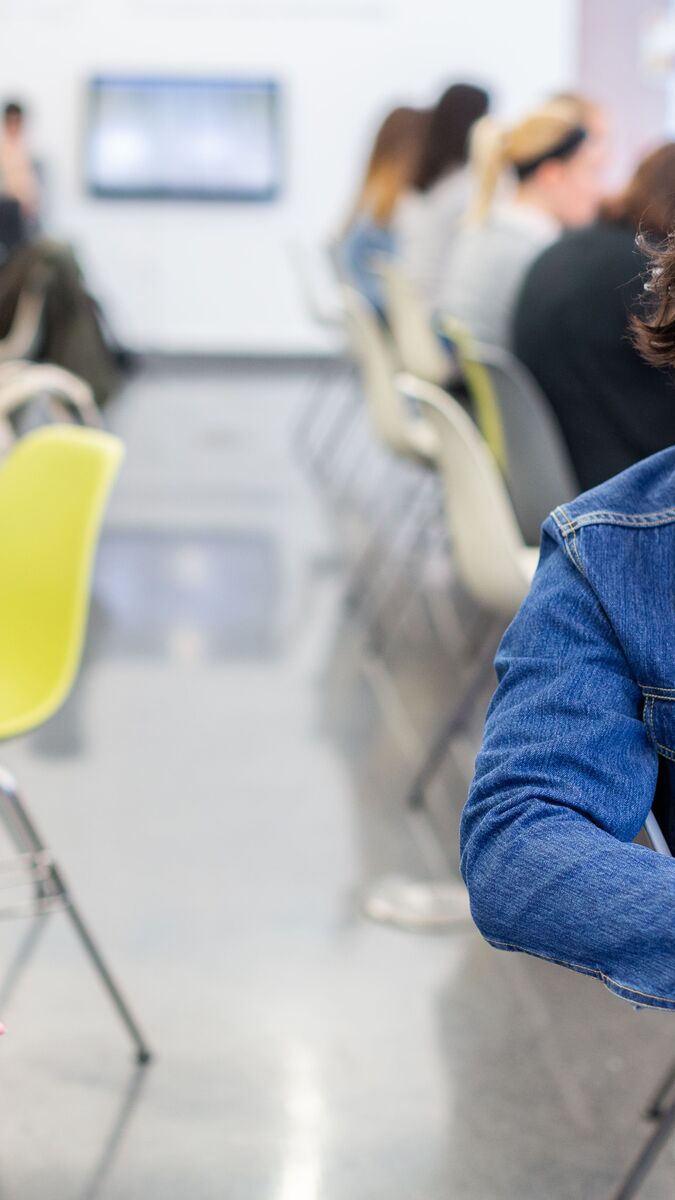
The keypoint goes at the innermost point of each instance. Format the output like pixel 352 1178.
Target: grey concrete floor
pixel 227 777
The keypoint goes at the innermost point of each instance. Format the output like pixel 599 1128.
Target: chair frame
pixel 431 396
pixel 21 382
pixel 34 865
pixel 555 480
pixel 52 892
pixel 24 337
pixel 657 1110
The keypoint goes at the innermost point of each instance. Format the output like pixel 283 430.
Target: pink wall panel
pixel 612 71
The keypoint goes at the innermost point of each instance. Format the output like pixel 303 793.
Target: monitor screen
pixel 207 139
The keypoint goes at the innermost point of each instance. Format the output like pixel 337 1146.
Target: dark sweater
pixel 571 330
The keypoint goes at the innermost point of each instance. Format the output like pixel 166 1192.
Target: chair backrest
pixel 487 544
pixel 538 470
pixel 25 335
pixel 656 836
pixel 12 232
pixel 418 347
pixel 21 382
pixel 318 283
pixel 481 391
pixel 376 359
pixel 53 489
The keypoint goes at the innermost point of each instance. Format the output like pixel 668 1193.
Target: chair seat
pixel 529 558
pixel 423 441
pixel 24 708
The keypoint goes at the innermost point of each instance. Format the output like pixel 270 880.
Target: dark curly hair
pixel 648 205
pixel 654 327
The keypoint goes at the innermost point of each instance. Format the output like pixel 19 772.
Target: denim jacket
pixel 580 743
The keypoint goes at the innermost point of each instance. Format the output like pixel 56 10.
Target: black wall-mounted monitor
pixel 183 139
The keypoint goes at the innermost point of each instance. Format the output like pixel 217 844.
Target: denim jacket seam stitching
pixel 666 751
pixel 574 546
pixel 559 523
pixel 649 719
pixel 607 516
pixel 622 521
pixel 657 514
pixel 585 970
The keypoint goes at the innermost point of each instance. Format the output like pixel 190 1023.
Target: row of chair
pixel 514 417
pixel 499 455
pixel 54 484
pixel 422 422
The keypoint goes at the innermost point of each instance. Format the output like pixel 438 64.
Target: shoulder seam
pixel 568 530
pixel 569 525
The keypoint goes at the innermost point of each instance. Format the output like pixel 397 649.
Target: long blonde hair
pixel 497 149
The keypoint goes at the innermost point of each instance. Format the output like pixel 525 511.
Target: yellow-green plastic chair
pixel 53 490
pixel 488 416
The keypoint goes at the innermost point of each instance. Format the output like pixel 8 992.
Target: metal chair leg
pixel 24 832
pixel 337 431
pixel 129 1103
pixel 655 1108
pixel 406 579
pixel 311 414
pixel 20 961
pixel 414 590
pixel 450 727
pixel 403 548
pixel 332 406
pixel 636 1175
pixel 377 549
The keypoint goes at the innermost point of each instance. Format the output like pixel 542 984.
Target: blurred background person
pixel 73 332
pixel 572 329
pixel 594 118
pixel 370 231
pixel 554 163
pixel 18 175
pixel 429 215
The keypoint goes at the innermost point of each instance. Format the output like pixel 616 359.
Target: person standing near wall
pixel 18 177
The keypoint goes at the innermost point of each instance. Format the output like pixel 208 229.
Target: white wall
pixel 218 277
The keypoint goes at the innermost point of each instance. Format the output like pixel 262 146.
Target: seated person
pixel 369 233
pixel 579 742
pixel 429 215
pixel 550 166
pixel 572 323
pixel 72 333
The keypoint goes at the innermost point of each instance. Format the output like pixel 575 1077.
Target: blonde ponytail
pixel 494 149
pixel 488 158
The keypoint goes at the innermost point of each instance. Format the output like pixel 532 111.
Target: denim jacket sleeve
pixel 564 781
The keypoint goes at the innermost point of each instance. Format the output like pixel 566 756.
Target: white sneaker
pixel 410 904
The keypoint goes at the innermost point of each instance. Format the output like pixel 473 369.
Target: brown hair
pixel 648 202
pixel 654 330
pixel 393 161
pixel 447 142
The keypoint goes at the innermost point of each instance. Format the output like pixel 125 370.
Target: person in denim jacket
pixel 579 742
